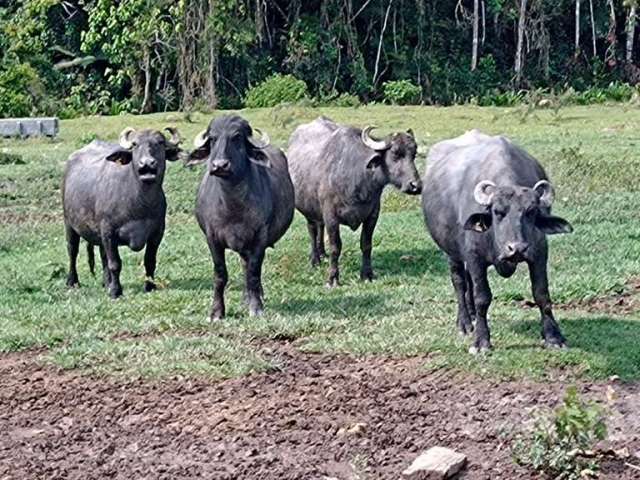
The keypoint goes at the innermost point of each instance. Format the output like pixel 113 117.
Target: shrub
pixel 20 90
pixel 401 92
pixel 558 443
pixel 342 100
pixel 275 90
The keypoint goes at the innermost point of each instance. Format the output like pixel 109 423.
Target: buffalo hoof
pixel 465 328
pixel 553 343
pixel 332 283
pixel 149 286
pixel 315 262
pixel 367 276
pixel 72 282
pixel 115 293
pixel 482 347
pixel 256 311
pixel 216 316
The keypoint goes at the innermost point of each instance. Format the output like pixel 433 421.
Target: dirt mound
pixel 318 415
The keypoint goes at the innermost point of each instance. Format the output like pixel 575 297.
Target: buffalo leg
pixel 253 276
pixel 106 276
pixel 335 246
pixel 320 240
pixel 150 256
pixel 471 308
pixel 114 264
pixel 220 278
pixel 312 227
pixel 73 245
pixel 459 280
pixel 482 299
pixel 540 288
pixel 366 236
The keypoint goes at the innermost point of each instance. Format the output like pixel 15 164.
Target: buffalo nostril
pixel 416 186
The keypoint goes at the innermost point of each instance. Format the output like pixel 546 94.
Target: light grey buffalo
pixel 112 195
pixel 245 202
pixel 487 202
pixel 338 174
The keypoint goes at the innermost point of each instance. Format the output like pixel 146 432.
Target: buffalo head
pixel 146 151
pixel 228 146
pixel 517 216
pixel 395 155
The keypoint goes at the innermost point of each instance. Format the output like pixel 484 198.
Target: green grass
pixel 591 153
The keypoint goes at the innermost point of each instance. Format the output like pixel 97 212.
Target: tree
pixel 631 28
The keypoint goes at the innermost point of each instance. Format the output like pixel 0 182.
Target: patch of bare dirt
pixel 626 302
pixel 318 415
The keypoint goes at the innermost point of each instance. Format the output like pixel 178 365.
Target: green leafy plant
pixel 401 92
pixel 559 444
pixel 343 100
pixel 275 90
pixel 20 90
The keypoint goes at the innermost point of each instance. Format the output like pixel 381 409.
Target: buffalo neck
pixel 233 190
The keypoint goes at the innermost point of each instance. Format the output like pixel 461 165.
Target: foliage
pixel 100 56
pixel 20 90
pixel 275 90
pixel 342 100
pixel 401 92
pixel 558 443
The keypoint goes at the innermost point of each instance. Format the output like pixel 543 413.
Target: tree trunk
pixel 593 29
pixel 484 23
pixel 631 32
pixel 474 50
pixel 146 101
pixel 384 27
pixel 577 46
pixel 521 25
pixel 610 54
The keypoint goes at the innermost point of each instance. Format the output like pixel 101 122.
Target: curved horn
pixel 263 142
pixel 175 136
pixel 546 192
pixel 370 142
pixel 483 193
pixel 125 138
pixel 201 139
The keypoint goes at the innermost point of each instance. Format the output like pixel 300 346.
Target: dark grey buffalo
pixel 112 195
pixel 487 202
pixel 339 173
pixel 245 202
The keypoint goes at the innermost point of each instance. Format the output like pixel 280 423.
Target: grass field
pixel 591 153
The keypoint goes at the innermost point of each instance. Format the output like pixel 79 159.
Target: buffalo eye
pixel 499 214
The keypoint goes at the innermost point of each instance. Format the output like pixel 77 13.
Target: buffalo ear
pixel 478 222
pixel 174 153
pixel 551 225
pixel 198 156
pixel 120 156
pixel 374 161
pixel 260 158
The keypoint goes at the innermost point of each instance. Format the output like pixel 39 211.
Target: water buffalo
pixel 112 195
pixel 339 173
pixel 245 202
pixel 487 202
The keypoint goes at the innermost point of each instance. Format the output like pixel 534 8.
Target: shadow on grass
pixel 413 262
pixel 196 284
pixel 341 306
pixel 615 341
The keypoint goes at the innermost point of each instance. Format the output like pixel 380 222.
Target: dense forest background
pixel 76 57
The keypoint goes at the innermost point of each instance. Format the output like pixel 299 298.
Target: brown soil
pixel 626 302
pixel 318 416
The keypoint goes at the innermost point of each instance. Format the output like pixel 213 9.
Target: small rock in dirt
pixel 440 462
pixel 356 429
